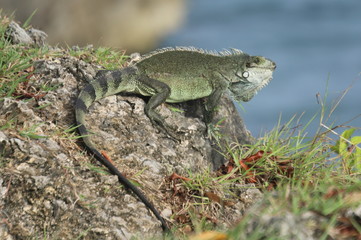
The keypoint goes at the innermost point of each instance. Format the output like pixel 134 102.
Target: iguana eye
pixel 245 74
pixel 257 60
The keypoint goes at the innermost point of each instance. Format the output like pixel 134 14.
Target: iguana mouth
pixel 267 68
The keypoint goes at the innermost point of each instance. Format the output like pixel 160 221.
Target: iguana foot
pixel 158 122
pixel 167 130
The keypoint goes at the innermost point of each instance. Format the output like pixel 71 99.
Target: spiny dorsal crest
pixel 225 52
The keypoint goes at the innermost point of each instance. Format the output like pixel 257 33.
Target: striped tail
pixel 86 97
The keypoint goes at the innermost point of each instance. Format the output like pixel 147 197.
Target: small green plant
pixel 213 131
pixel 83 234
pixel 175 109
pixel 8 124
pixel 68 133
pixel 15 61
pixel 86 203
pixel 97 169
pixel 347 147
pixel 31 132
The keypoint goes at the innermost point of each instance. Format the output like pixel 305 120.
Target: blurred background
pixel 134 25
pixel 316 44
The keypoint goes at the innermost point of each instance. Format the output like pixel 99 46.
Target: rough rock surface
pixel 50 187
pixel 19 35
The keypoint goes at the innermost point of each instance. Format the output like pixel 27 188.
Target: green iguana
pixel 175 75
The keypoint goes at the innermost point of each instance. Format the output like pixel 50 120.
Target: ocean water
pixel 316 45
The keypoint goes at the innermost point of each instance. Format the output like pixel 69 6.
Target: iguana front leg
pixel 159 92
pixel 212 101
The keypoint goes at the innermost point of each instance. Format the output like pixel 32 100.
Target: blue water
pixel 314 43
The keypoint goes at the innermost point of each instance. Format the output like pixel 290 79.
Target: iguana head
pixel 251 75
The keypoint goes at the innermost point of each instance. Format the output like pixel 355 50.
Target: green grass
pixel 16 60
pixel 299 198
pixel 17 72
pixel 31 132
pixel 106 57
pixel 322 176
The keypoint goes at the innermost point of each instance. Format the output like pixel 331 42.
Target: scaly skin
pixel 175 75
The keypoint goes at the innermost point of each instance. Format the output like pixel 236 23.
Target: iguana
pixel 175 75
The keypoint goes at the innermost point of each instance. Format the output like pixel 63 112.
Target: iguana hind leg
pixel 161 92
